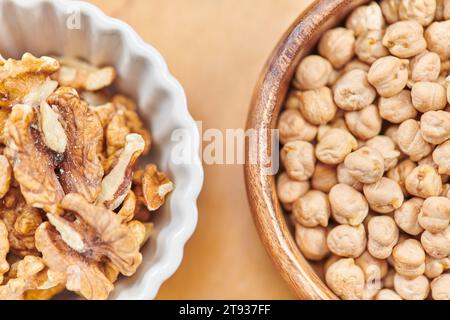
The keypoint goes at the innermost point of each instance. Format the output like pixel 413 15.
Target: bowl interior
pixel 72 28
pixel 269 96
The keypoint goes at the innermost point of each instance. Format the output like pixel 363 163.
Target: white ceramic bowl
pixel 46 27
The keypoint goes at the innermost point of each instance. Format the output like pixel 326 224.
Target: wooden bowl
pixel 269 95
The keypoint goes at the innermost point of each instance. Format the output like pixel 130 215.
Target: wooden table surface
pixel 216 49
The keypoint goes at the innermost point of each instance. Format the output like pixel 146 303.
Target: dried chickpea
pixel 437 36
pixel 292 126
pixel 383 235
pixel 338 46
pixel 441 156
pixel 289 190
pixel 425 67
pixel 435 126
pixel 435 267
pixel 298 159
pixel 347 241
pixel 412 289
pixel 312 242
pixel 428 96
pixel 305 79
pixel 397 108
pixel 424 182
pixel 348 206
pixel 422 11
pixel 369 46
pixel 440 287
pixel 387 294
pixel 437 245
pixel 384 196
pixel 339 123
pixel 366 165
pixel 364 124
pixel 352 92
pixel 409 258
pixel 324 177
pixel 355 64
pixel 365 18
pixel 405 39
pixel 386 147
pixel 407 216
pixel 344 176
pixel 346 279
pixel 312 209
pixel 334 146
pixel 435 214
pixel 410 141
pixel 292 100
pixel 401 172
pixel 442 9
pixel 390 10
pixel 388 75
pixel 317 106
pixel 374 269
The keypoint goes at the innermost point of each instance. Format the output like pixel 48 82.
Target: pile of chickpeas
pixel 365 137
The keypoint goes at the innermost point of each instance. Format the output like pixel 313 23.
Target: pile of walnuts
pixel 74 209
pixel 366 152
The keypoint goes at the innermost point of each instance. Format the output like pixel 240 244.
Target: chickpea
pixel 324 177
pixel 364 124
pixel 422 11
pixel 356 64
pixel 347 241
pixel 409 258
pixel 405 39
pixel 384 196
pixel 428 96
pixel 383 236
pixel 412 289
pixel 424 182
pixel 338 46
pixel 312 209
pixel 410 140
pixel 374 269
pixel 292 126
pixel 366 165
pixel 407 216
pixel 387 294
pixel 317 106
pixel 293 100
pixel 313 72
pixel 425 67
pixel 386 147
pixel 348 206
pixel 289 190
pixel 366 18
pixel 390 10
pixel 334 146
pixel 435 214
pixel 389 75
pixel 353 92
pixel 397 108
pixel 330 261
pixel 344 176
pixel 437 245
pixel 391 132
pixel 435 267
pixel 298 159
pixel 369 46
pixel 437 36
pixel 435 126
pixel 401 172
pixel 442 9
pixel 441 156
pixel 440 287
pixel 312 242
pixel 336 124
pixel 346 279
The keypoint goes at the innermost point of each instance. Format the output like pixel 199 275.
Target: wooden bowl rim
pixel 273 85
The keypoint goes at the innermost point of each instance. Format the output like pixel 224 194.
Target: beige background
pixel 216 49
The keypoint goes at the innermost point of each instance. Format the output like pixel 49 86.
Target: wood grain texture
pixel 217 49
pixel 268 98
